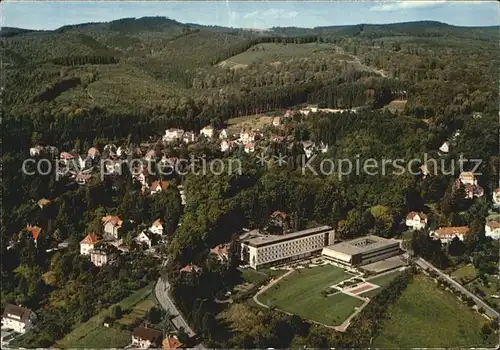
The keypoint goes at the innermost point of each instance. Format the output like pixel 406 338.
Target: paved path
pixel 161 291
pixel 426 265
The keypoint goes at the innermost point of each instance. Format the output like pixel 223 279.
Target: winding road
pixel 161 291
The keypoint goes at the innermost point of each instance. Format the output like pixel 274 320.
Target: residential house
pixel 88 243
pixel 189 137
pixel 145 338
pixel 246 136
pixel 492 229
pixel 17 318
pixel 445 147
pixel 112 225
pixel 323 147
pixel 276 121
pixel 158 186
pixel 66 157
pixel 172 343
pixel 122 151
pixel 35 232
pixel 467 178
pixel 223 134
pixel 110 148
pixel 496 197
pixel 157 227
pixel 191 268
pixel 182 194
pixel 172 135
pixel 43 202
pixel 446 234
pixel 103 254
pixel 83 178
pixel 142 176
pixel 249 148
pixel 83 163
pixel 221 252
pixel 93 153
pixel 416 220
pixel 280 219
pixel 207 131
pixel 424 170
pixel 226 146
pixel 288 114
pixel 35 151
pixel 468 181
pixel 309 148
pixel 146 238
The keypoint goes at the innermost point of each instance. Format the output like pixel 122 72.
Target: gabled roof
pixel 43 202
pixel 171 343
pixel 93 151
pixel 114 220
pixel 14 312
pixel 145 333
pixel 280 214
pixel 191 268
pixel 493 224
pixel 157 223
pixel 451 231
pixel 222 250
pixel 467 175
pixel 412 214
pixel 91 238
pixel 66 155
pixel 34 230
pixel 163 185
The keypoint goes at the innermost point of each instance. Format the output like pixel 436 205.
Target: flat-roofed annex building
pixel 363 250
pixel 267 250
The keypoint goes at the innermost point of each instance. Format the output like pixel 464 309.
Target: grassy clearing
pixel 425 316
pixel 94 324
pixel 138 311
pixel 249 122
pixel 300 294
pixel 468 272
pixel 101 338
pixel 381 281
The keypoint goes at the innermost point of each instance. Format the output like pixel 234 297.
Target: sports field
pixel 300 293
pixel 425 316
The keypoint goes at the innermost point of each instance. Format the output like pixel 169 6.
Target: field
pixel 249 122
pixel 138 311
pixel 382 281
pixel 104 338
pixel 467 272
pixel 275 53
pixel 300 294
pixel 425 316
pixel 95 324
pixel 252 276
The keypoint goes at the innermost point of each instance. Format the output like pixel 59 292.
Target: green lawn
pixel 138 311
pixel 104 338
pixel 300 293
pixel 381 281
pixel 255 277
pixel 425 316
pixel 95 324
pixel 468 272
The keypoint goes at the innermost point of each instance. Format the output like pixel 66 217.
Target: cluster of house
pixel 18 318
pixel 419 221
pixel 468 182
pixel 103 251
pixel 144 337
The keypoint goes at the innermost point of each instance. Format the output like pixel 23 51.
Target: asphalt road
pixel 161 292
pixel 489 311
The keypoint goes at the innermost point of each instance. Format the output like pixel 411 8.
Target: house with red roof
pixel 171 343
pixel 112 225
pixel 158 186
pixel 416 220
pixel 492 229
pixel 88 244
pixel 191 268
pixel 157 227
pixel 35 232
pixel 446 234
pixel 221 252
pixel 496 198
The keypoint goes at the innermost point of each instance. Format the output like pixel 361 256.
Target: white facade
pixel 207 131
pixel 276 121
pixel 35 151
pixel 492 229
pixel 100 258
pixel 225 146
pixel 172 135
pixel 18 319
pixel 246 137
pixel 143 238
pixel 268 250
pixel 249 148
pixel 188 137
pixel 496 197
pixel 223 134
pixel 416 221
pixel 445 147
pixel 86 248
pixel 447 234
pixel 156 228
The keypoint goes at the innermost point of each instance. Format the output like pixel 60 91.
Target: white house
pixel 35 151
pixel 323 147
pixel 17 318
pixel 188 137
pixel 309 148
pixel 446 234
pixel 445 147
pixel 467 178
pixel 112 225
pixel 496 197
pixel 207 131
pixel 276 121
pixel 247 137
pixel 223 134
pixel 145 237
pixel 83 178
pixel 492 229
pixel 88 243
pixel 416 221
pixel 226 145
pixel 172 135
pixel 93 153
pixel 145 338
pixel 122 151
pixel 103 255
pixel 142 177
pixel 157 227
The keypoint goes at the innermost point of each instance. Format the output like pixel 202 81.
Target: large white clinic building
pixel 361 251
pixel 266 250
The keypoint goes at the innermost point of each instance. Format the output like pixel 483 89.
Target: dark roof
pixel 16 311
pixel 150 334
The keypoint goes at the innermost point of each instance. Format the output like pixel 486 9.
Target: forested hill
pixel 164 73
